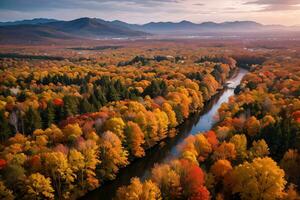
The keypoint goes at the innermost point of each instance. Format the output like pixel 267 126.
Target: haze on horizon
pixel 285 12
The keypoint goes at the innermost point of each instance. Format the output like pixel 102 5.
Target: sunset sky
pixel 285 12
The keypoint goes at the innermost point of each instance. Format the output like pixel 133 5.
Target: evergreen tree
pixel 112 94
pixel 49 115
pixel 85 106
pixel 32 120
pixel 5 132
pixel 70 106
pixel 99 94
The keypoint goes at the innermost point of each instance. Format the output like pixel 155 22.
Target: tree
pixel 156 88
pixel 167 108
pixel 70 106
pixel 149 125
pixel 135 139
pixel 138 191
pixel 112 94
pixel 38 187
pixel 5 193
pixel 32 120
pixel 225 151
pixel 267 121
pixel 56 166
pixel 13 174
pixel 85 106
pixel 150 191
pixel 291 165
pixel 240 145
pixel 202 146
pixel 167 180
pixel 220 168
pixel 252 126
pixel 130 192
pixel 259 149
pixel 212 138
pixel 115 125
pixel 163 123
pixel 50 115
pixel 112 155
pixel 99 94
pixel 90 152
pixel 192 182
pixel 5 132
pixel 72 130
pixel 261 179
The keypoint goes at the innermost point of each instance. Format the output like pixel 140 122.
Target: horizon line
pixel 11 21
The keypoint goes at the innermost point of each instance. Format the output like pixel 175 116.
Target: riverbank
pixel 197 122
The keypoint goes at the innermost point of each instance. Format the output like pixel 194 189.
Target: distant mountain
pixel 30 21
pixel 189 27
pixel 31 34
pixel 83 28
pixel 36 30
pixel 94 28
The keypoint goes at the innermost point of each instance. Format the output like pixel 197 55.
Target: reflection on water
pixel 198 122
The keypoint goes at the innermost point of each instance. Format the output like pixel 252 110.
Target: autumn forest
pixel 74 117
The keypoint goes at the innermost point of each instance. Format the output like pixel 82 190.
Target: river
pixel 198 122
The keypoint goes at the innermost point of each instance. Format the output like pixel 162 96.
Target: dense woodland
pixel 251 153
pixel 68 125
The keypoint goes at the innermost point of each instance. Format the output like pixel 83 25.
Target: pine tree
pixel 112 94
pixel 32 120
pixel 85 106
pixel 5 132
pixel 50 114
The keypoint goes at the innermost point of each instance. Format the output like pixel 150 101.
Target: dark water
pixel 141 168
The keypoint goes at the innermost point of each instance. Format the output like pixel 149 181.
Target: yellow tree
pixel 225 151
pixel 240 144
pixel 38 186
pixel 167 108
pixel 163 123
pixel 72 130
pixel 149 125
pixel 135 139
pixel 202 146
pixel 57 167
pixel 259 149
pixel 150 191
pixel 261 179
pixel 130 192
pixel 112 155
pixel 115 125
pixel 90 153
pixel 139 191
pixel 167 180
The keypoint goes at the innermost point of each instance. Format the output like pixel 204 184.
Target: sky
pixel 285 12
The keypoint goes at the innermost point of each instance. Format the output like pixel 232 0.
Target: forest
pixel 72 117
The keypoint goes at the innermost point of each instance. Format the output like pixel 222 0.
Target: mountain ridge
pixel 40 29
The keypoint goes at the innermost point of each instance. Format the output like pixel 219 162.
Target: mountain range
pixel 40 29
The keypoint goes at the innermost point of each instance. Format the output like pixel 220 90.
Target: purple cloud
pixel 276 5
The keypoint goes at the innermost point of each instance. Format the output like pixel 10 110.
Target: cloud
pixel 37 5
pixel 198 4
pixel 144 11
pixel 276 5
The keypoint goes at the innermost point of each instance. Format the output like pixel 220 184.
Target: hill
pixel 41 30
pixel 29 21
